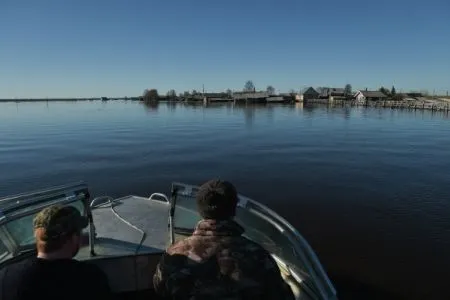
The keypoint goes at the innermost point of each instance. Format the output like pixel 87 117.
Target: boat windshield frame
pixel 310 261
pixel 14 208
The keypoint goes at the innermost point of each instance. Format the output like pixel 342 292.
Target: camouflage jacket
pixel 217 262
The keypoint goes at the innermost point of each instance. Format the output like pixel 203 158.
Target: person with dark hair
pixel 217 262
pixel 54 274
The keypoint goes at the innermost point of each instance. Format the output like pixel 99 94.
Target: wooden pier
pixel 434 105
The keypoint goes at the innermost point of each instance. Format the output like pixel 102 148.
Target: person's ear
pixel 76 239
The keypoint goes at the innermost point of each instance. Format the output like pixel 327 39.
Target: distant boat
pixel 105 99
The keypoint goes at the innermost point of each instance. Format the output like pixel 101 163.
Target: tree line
pixel 391 93
pixel 150 95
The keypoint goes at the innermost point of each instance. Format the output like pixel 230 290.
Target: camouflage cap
pixel 59 221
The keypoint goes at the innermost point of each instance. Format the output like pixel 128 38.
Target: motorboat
pixel 126 236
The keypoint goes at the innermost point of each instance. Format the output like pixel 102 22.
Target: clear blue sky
pixel 117 48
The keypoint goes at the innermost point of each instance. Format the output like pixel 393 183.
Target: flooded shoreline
pixel 424 103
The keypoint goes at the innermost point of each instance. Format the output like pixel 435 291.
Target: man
pixel 217 262
pixel 53 274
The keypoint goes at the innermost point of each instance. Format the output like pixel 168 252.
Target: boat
pixel 126 236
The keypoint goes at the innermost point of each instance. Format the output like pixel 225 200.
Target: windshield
pixel 186 216
pixel 18 235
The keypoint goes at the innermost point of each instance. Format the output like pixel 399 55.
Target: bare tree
pixel 270 90
pixel 385 91
pixel 151 95
pixel 171 94
pixel 249 86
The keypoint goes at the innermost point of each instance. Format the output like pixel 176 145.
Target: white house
pixel 370 95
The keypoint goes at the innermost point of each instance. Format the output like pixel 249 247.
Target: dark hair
pixel 55 225
pixel 217 199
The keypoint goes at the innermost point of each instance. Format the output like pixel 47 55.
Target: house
pixel 196 97
pixel 298 98
pixel 254 97
pixel 336 92
pixel 327 92
pixel 310 93
pixel 208 96
pixel 370 96
pixel 323 92
pixel 288 97
pixel 216 95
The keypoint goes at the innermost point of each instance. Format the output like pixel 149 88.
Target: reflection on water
pixel 151 106
pixel 368 187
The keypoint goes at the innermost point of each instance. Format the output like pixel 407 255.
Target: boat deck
pixel 131 226
pixel 132 232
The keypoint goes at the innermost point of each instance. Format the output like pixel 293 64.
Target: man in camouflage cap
pixel 58 231
pixel 217 262
pixel 54 274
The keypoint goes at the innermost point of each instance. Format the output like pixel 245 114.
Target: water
pixel 368 188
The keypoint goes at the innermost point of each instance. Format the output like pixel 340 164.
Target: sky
pixel 111 48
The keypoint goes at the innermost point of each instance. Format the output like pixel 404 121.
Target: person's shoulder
pixel 19 267
pixel 13 275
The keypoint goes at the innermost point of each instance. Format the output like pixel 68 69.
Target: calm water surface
pixel 368 188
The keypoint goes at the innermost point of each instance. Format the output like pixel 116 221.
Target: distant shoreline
pixel 434 104
pixel 67 99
